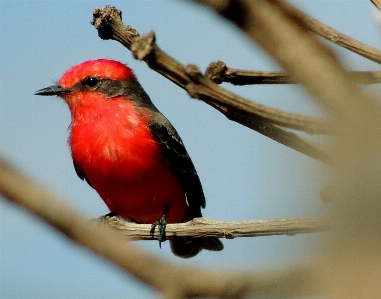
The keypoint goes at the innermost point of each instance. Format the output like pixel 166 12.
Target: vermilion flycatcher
pixel 129 152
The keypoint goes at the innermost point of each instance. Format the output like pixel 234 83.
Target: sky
pixel 245 175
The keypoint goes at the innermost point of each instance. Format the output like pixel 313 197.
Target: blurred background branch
pixel 173 281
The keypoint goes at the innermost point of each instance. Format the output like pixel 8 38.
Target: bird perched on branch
pixel 129 152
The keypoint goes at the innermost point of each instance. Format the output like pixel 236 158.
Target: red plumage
pixel 128 151
pixel 123 163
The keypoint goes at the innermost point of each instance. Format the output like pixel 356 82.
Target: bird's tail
pixel 189 247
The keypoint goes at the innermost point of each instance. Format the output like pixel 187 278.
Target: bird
pixel 129 152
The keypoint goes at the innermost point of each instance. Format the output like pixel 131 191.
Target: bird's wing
pixel 81 174
pixel 181 164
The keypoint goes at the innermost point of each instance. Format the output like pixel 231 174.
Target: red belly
pixel 145 197
pixel 124 164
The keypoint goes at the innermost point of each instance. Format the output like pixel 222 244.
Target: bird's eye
pixel 91 81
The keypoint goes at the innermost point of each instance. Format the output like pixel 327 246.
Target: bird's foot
pixel 161 223
pixel 111 214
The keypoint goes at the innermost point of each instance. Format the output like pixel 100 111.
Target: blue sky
pixel 245 175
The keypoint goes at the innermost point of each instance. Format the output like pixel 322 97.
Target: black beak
pixel 53 90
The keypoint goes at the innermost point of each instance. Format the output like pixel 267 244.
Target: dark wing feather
pixel 81 174
pixel 181 164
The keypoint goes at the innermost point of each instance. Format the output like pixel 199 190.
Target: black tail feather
pixel 189 247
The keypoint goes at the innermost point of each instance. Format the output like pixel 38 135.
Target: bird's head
pixel 93 80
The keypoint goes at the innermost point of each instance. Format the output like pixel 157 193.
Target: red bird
pixel 129 152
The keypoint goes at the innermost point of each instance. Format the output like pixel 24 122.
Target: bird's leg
pixel 161 223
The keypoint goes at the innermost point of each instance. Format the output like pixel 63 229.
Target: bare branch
pixel 219 72
pixel 206 90
pixel 285 137
pixel 255 116
pixel 191 79
pixel 171 280
pixel 202 227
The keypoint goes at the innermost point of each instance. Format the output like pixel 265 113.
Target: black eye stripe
pixel 91 81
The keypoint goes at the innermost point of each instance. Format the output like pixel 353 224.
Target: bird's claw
pixel 161 223
pixel 111 214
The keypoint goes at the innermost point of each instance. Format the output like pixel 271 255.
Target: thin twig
pixel 205 89
pixel 334 35
pixel 219 72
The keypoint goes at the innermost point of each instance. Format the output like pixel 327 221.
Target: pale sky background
pixel 245 175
